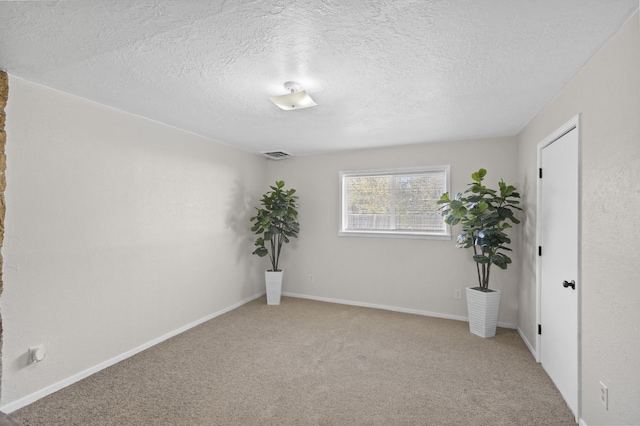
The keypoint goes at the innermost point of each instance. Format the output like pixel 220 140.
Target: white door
pixel 558 282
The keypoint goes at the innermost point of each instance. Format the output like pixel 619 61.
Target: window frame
pixel 342 232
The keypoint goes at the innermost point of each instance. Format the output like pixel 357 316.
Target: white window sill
pixel 395 234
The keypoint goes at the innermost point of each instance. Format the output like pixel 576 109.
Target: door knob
pixel 571 284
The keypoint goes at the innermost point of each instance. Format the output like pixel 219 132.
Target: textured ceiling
pixel 383 72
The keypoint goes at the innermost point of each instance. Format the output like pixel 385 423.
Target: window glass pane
pixel 415 202
pixel 394 202
pixel 369 202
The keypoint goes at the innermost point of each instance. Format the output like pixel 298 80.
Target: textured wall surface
pixel 119 231
pixel 4 96
pixel 410 274
pixel 606 92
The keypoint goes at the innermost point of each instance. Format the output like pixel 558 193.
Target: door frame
pixel 573 123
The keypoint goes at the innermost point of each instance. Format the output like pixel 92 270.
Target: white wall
pixel 607 94
pixel 119 230
pixel 408 274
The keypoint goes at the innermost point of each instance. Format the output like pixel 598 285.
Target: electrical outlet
pixel 36 354
pixel 458 294
pixel 604 396
pixel 310 279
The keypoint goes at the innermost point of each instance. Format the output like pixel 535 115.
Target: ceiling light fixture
pixel 295 99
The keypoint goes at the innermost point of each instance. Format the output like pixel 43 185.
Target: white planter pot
pixel 273 279
pixel 483 312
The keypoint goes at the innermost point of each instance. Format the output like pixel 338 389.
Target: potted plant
pixel 275 222
pixel 484 215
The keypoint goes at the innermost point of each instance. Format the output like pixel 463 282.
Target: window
pixel 394 202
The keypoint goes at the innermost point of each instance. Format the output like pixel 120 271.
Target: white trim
pixel 26 400
pixel 395 234
pixel 573 123
pixel 437 235
pixel 526 342
pixel 397 170
pixel 389 308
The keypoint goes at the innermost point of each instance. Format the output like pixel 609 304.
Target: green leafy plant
pixel 484 215
pixel 275 222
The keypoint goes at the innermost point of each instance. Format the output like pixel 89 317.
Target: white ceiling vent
pixel 277 155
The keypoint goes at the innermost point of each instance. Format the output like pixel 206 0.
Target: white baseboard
pixel 24 401
pixel 526 342
pixel 389 308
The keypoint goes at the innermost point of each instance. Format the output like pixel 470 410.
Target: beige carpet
pixel 315 363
